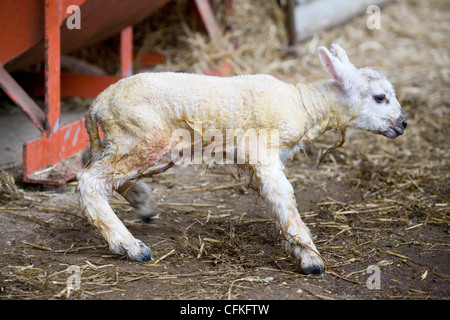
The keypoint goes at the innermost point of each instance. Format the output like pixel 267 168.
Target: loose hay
pixel 8 189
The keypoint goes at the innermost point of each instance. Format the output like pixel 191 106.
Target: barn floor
pixel 221 244
pixel 373 202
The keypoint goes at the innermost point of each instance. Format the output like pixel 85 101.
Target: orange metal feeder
pixel 32 31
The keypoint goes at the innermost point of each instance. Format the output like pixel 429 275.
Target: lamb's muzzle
pixel 395 128
pixel 140 114
pixel 400 124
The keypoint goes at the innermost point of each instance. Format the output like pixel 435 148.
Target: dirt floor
pixel 376 207
pixel 221 244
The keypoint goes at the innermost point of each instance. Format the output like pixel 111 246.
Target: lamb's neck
pixel 319 100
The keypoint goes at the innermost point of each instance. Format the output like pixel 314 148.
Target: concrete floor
pixel 16 129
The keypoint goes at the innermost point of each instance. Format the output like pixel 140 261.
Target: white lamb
pixel 139 115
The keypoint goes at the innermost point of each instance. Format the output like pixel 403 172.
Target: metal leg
pixel 22 99
pixel 126 52
pixel 207 15
pixel 52 64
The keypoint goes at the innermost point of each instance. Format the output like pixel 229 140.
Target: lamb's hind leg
pixel 277 190
pixel 138 194
pixel 96 184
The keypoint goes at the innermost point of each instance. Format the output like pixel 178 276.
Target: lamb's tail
pixel 91 124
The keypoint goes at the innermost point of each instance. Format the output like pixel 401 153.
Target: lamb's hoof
pixel 145 257
pixel 147 217
pixel 143 254
pixel 137 250
pixel 311 262
pixel 313 269
pixel 146 212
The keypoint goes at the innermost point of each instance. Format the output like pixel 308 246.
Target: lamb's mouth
pixel 392 132
pixel 394 129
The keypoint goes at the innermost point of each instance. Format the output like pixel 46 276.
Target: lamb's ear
pixel 338 65
pixel 331 64
pixel 340 53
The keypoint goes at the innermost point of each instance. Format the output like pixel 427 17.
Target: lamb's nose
pixel 404 124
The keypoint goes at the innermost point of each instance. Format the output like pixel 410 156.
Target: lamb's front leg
pixel 277 190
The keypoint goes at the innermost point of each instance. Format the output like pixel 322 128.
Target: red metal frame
pixel 56 143
pixel 55 157
pixel 52 65
pixel 126 52
pixel 62 143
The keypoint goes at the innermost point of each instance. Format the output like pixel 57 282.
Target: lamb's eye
pixel 379 98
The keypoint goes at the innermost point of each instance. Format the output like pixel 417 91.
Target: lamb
pixel 139 114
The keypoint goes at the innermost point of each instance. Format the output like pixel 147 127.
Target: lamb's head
pixel 366 96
